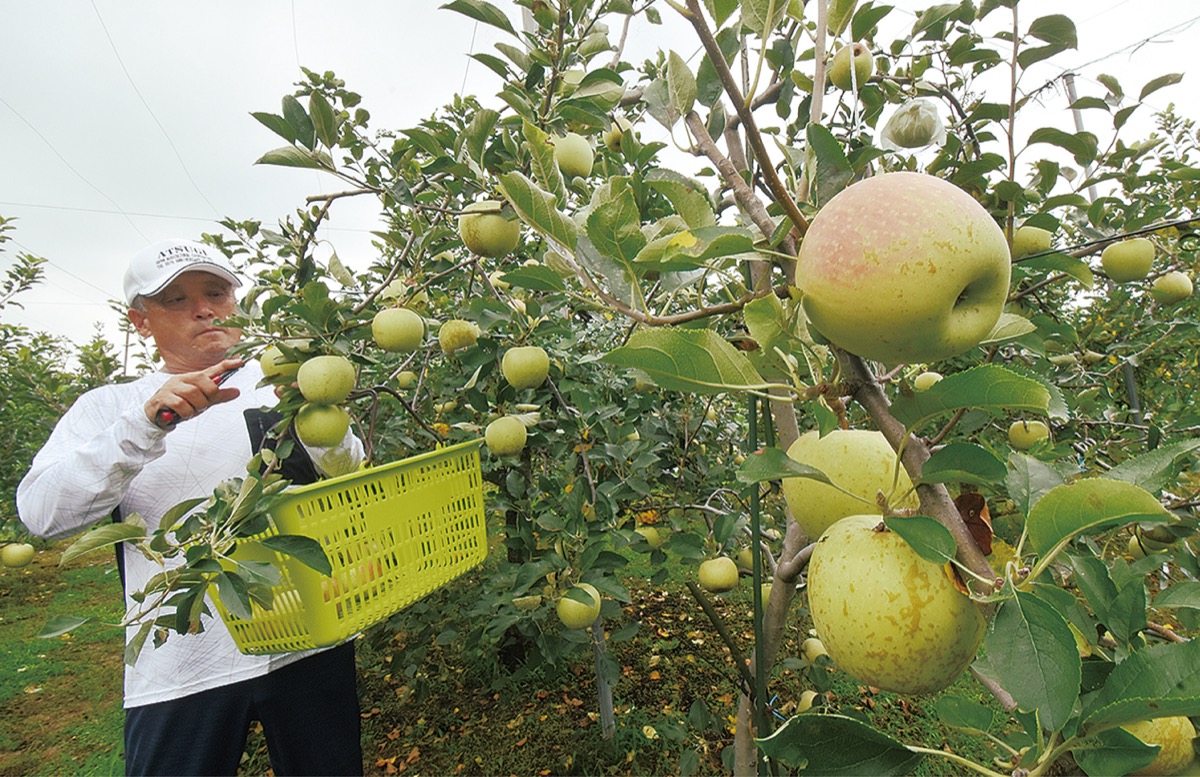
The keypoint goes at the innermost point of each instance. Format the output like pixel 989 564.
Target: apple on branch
pixel 326 379
pixel 888 617
pixel 859 463
pixel 1171 288
pixel 1030 240
pixel 1128 260
pixel 902 268
pixel 398 330
pixel 574 155
pixel 842 75
pixel 486 232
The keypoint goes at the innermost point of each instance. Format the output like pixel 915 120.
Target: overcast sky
pixel 128 121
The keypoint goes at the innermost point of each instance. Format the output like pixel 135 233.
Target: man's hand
pixel 189 394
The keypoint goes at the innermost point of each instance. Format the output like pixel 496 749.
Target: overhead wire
pixel 71 167
pixel 146 105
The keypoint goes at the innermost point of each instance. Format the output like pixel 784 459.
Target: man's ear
pixel 138 319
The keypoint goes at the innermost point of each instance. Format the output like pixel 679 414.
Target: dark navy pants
pixel 309 711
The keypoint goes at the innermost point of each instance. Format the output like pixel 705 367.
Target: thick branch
pixel 744 111
pixel 935 499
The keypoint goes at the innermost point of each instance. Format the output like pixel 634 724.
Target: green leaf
pixel 989 387
pixel 1055 29
pixel 1009 326
pixel 932 541
pixel 276 124
pixel 828 168
pixel 688 197
pixel 964 462
pixel 1152 471
pixel 1145 683
pixel 133 648
pixel 535 278
pixel 537 209
pixel 298 118
pixel 1114 751
pixel 965 714
pixel 696 360
pixel 1185 594
pixel 232 590
pixel 1030 479
pixel 832 745
pixel 541 155
pixel 325 123
pixel 1082 145
pixel 1092 503
pixel 306 550
pixel 775 464
pixel 1032 653
pixel 290 156
pixel 101 537
pixel 839 15
pixel 721 10
pixel 1158 83
pixel 1061 263
pixel 681 85
pixel 482 11
pixel 694 249
pixel 61 624
pixel 1094 582
pixel 614 225
pixel 761 16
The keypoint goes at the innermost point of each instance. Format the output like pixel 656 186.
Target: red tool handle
pixel 165 418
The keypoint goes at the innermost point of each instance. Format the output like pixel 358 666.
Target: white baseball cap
pixel 156 265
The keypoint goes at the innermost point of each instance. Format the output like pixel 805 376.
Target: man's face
pixel 180 319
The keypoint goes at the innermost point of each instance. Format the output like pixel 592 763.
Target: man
pixel 189 702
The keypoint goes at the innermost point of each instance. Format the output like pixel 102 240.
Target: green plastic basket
pixel 393 534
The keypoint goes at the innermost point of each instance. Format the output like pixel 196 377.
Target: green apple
pixel 485 231
pixel 614 136
pixel 903 268
pixel 457 333
pixel 398 330
pixel 578 615
pixel 321 426
pixel 888 617
pixel 1128 260
pixel 1030 240
pixel 1173 735
pixel 275 364
pixel 574 155
pixel 857 461
pixel 16 554
pixel 926 379
pixel 842 75
pixel 505 436
pixel 525 366
pixel 326 379
pixel 813 648
pixel 718 575
pixel 406 379
pixel 1023 435
pixel 652 536
pixel 1171 287
pixel 745 559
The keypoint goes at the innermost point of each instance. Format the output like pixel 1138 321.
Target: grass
pixel 676 694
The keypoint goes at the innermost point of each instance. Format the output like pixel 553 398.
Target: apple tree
pixel 698 318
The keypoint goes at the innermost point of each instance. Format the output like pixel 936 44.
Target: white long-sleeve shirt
pixel 104 453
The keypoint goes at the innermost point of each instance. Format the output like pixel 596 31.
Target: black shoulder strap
pixel 298 467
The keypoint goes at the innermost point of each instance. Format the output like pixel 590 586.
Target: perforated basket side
pixel 392 535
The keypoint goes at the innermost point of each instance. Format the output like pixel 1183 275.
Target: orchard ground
pixel 60 709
